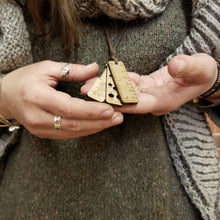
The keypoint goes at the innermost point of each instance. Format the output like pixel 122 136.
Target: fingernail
pixel 181 66
pixel 107 113
pixel 118 118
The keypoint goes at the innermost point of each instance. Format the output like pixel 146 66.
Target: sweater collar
pixel 120 9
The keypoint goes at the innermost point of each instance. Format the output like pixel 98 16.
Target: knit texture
pixel 188 136
pixel 15 50
pixel 7 141
pixel 125 10
pixel 194 156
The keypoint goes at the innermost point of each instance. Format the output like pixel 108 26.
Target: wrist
pixel 215 97
pixel 213 94
pixel 3 108
pixel 5 115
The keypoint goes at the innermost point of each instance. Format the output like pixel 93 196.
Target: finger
pixel 43 127
pixel 73 128
pixel 77 72
pixel 77 125
pixel 46 120
pixel 145 105
pixel 69 107
pixel 195 69
pixel 91 81
pixel 135 78
pixel 87 86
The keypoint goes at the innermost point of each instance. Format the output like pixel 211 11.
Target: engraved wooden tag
pixel 123 83
pixel 97 91
pixel 111 96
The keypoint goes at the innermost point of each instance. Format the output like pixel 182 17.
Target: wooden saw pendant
pixel 114 86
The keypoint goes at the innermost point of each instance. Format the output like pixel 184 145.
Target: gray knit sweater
pixel 188 135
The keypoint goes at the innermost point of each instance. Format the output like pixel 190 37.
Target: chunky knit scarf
pixel 188 135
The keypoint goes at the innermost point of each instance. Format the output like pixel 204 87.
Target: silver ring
pixel 65 71
pixel 57 122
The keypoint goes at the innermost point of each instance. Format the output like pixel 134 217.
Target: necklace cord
pixel 113 49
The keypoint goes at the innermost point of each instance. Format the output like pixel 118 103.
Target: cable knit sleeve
pixel 15 49
pixel 197 161
pixel 204 34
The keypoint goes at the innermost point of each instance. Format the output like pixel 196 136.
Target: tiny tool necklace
pixel 114 85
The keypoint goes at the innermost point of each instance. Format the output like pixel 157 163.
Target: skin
pixel 28 94
pixel 183 79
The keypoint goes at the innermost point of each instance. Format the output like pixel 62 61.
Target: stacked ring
pixel 57 122
pixel 65 72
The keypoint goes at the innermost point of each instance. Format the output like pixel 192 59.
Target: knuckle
pixel 31 121
pixel 29 95
pixel 47 63
pixel 77 68
pixel 91 113
pixel 75 126
pixel 66 109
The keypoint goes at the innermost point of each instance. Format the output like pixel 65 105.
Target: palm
pixel 159 93
pixel 163 91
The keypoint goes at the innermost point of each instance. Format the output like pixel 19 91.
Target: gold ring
pixel 65 72
pixel 57 122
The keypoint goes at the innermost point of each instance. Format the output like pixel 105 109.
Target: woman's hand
pixel 185 78
pixel 28 95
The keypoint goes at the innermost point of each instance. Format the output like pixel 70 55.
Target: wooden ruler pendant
pixel 114 86
pixel 97 91
pixel 123 83
pixel 111 94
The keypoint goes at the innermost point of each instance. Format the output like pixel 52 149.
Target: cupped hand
pixel 28 94
pixel 183 79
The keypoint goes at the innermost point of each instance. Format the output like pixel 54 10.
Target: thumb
pixel 196 69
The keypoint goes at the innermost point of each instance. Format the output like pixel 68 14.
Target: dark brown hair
pixel 64 21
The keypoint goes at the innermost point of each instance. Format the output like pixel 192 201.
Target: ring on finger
pixel 57 122
pixel 65 71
